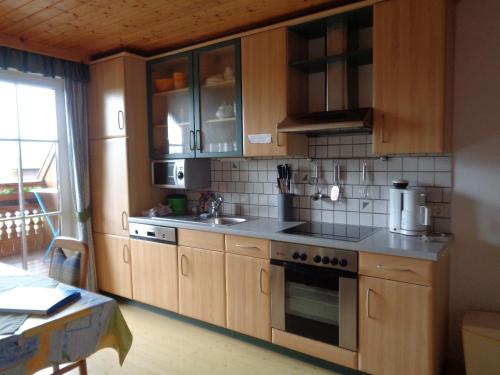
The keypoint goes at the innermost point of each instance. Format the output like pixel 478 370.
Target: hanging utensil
pixel 317 195
pixel 363 189
pixel 335 191
pixel 339 181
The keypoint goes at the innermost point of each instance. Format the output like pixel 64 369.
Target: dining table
pixel 29 343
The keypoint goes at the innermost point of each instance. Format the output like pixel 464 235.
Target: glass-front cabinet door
pixel 172 130
pixel 218 100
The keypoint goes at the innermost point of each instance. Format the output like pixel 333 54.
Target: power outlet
pixel 439 210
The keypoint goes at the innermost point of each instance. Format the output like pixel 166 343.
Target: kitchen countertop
pixel 382 241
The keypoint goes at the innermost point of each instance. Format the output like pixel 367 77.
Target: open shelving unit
pixel 330 62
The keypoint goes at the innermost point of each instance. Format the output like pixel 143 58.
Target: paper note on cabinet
pixel 259 138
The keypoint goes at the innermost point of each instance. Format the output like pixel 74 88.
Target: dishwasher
pixel 155 233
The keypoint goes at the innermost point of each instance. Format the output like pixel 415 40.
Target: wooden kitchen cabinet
pixel 394 327
pixel 107 99
pixel 411 51
pixel 202 285
pixel 248 296
pixel 402 324
pixel 113 264
pixel 120 174
pixel 154 274
pixel 109 187
pixel 265 94
pixel 119 160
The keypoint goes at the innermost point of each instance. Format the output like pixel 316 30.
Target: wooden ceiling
pixel 98 27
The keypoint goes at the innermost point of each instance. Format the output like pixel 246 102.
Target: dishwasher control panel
pixel 154 233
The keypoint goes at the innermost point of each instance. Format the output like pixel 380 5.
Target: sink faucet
pixel 215 205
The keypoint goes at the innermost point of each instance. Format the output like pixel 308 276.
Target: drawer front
pixel 249 246
pixel 200 239
pixel 408 270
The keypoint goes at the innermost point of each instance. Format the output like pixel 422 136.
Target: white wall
pixel 475 217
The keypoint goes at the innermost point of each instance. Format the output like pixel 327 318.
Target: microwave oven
pixel 181 173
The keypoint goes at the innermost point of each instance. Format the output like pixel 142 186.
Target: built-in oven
pixel 314 293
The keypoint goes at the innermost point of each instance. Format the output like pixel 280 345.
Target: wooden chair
pixel 72 244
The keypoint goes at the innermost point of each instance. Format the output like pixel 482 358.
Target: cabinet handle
pixel 121 122
pixel 278 137
pixel 246 246
pixel 124 220
pixel 198 140
pixel 191 140
pixel 260 280
pixel 125 254
pixel 182 264
pixel 388 268
pixel 368 292
pixel 382 135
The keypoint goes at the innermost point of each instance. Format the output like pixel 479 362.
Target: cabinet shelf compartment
pixel 219 85
pixel 171 92
pixel 353 58
pixel 163 126
pixel 221 120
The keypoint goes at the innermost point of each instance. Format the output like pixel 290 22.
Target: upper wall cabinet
pixel 107 99
pixel 265 96
pixel 195 103
pixel 171 105
pixel 410 56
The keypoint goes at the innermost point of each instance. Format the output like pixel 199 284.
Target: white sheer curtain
pixel 76 107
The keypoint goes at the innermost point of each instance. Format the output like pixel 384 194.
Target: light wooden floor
pixel 163 345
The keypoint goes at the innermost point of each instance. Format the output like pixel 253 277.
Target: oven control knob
pixel 335 261
pixel 317 259
pixel 303 256
pixel 343 262
pixel 295 255
pixel 325 260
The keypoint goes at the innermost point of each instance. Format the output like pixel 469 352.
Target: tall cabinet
pixel 119 163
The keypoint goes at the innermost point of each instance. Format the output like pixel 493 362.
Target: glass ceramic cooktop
pixel 340 232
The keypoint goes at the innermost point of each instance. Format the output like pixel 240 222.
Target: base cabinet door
pixel 395 327
pixel 248 296
pixel 154 274
pixel 202 285
pixel 113 264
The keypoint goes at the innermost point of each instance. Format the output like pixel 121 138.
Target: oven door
pixel 315 302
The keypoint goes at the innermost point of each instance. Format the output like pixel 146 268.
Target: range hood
pixel 329 122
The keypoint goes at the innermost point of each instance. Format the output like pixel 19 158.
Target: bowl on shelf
pixel 163 84
pixel 180 80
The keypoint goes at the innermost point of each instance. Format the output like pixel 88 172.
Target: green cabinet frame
pixel 194 89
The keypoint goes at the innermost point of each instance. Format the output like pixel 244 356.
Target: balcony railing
pixel 38 235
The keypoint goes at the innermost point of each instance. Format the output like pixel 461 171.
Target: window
pixel 33 163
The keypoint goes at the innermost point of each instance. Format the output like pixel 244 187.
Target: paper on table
pixel 260 138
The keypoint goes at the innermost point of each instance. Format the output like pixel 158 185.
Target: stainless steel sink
pixel 224 220
pixel 221 220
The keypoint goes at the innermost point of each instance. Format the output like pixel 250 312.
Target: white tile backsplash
pixel 249 186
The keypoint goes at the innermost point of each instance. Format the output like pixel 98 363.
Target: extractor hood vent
pixel 329 122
